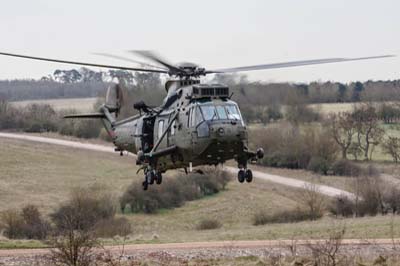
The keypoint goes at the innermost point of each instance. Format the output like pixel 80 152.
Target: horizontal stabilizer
pixel 92 115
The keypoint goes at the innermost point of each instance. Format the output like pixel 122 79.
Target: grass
pixel 44 174
pixel 80 104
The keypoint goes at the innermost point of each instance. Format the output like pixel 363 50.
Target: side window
pixel 192 117
pixel 199 116
pixel 160 128
pixel 189 116
pixel 173 128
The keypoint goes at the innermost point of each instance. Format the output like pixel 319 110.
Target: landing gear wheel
pixel 150 177
pixel 158 178
pixel 241 176
pixel 145 185
pixel 249 176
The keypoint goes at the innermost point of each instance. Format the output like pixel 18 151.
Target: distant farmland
pixel 80 104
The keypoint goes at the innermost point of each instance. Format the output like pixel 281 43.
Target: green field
pixel 79 104
pixel 44 175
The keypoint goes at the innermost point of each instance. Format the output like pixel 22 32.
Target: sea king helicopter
pixel 196 124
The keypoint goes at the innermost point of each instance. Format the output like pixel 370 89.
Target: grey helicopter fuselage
pixel 197 125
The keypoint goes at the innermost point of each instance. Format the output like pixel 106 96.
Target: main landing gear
pixel 245 174
pixel 151 176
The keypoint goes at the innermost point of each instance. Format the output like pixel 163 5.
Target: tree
pixel 368 132
pixel 342 89
pixel 342 128
pixel 357 90
pixel 392 147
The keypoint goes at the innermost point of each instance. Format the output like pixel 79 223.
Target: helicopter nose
pixel 221 132
pixel 226 132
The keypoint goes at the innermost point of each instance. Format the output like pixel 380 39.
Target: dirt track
pixel 326 190
pixel 237 244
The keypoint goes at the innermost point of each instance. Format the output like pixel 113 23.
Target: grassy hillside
pixel 43 174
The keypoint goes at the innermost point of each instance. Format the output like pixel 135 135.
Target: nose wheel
pixel 150 177
pixel 245 175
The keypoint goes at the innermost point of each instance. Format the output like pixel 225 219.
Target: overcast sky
pixel 214 34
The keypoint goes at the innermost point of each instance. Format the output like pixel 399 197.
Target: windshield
pixel 209 112
pixel 219 112
pixel 233 112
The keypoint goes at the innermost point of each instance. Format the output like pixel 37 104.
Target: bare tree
pixel 73 247
pixel 342 128
pixel 325 252
pixel 368 131
pixel 312 198
pixel 392 147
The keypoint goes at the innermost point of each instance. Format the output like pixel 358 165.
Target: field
pixel 80 104
pixel 43 174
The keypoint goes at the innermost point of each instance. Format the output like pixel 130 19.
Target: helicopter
pixel 196 124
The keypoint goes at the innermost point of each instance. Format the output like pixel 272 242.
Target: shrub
pixel 342 206
pixel 346 168
pixel 25 224
pixel 83 210
pixel 34 225
pixel 13 224
pixel 174 192
pixel 39 118
pixel 88 128
pixel 292 147
pixel 286 216
pixel 391 198
pixel 75 248
pixel 318 165
pixel 208 224
pixel 313 201
pixel 369 193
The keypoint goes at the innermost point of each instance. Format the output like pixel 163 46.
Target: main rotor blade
pixel 293 64
pixel 83 63
pixel 129 60
pixel 152 56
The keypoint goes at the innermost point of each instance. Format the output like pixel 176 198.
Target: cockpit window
pixel 233 112
pixel 221 112
pixel 209 112
pixel 199 117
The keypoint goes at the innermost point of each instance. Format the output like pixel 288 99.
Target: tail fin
pixel 109 111
pixel 114 99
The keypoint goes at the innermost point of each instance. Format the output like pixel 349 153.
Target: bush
pixel 346 168
pixel 391 198
pixel 286 216
pixel 39 118
pixel 292 147
pixel 342 206
pixel 34 225
pixel 174 192
pixel 369 192
pixel 312 199
pixel 26 224
pixel 318 165
pixel 83 210
pixel 13 224
pixel 208 224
